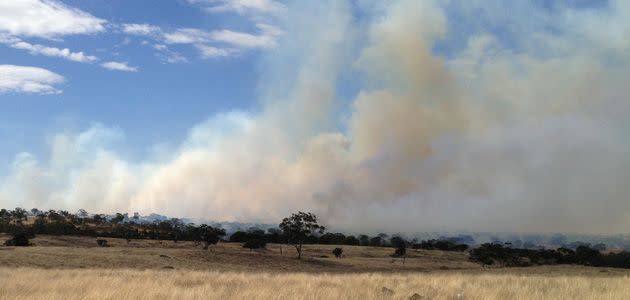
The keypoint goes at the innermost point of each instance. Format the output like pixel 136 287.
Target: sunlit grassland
pixel 28 283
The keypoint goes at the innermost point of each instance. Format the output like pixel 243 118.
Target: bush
pixel 102 243
pixel 615 260
pixel 584 255
pixel 332 239
pixel 255 244
pixel 400 252
pixel 240 237
pixel 338 252
pixel 444 245
pixel 20 239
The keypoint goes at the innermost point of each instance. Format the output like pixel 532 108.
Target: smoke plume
pixel 454 124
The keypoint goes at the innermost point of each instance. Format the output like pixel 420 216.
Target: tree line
pixel 506 255
pixel 62 222
pixel 297 230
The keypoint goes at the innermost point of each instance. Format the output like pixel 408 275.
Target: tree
pixel 239 237
pixel 255 244
pixel 208 235
pixel 5 216
pixel 298 228
pixel 351 240
pixel 400 251
pixel 118 218
pixel 19 214
pixel 401 246
pixel 364 240
pixel 397 242
pixel 82 213
pixel 34 211
pixel 332 238
pixel 98 218
pixel 376 241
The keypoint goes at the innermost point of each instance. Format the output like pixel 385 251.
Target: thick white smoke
pixel 526 133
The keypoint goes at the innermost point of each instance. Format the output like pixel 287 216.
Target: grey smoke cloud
pixel 525 138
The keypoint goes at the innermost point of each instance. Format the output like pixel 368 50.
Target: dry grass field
pixel 81 252
pixel 74 268
pixel 26 283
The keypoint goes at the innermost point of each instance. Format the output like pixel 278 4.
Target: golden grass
pixel 26 283
pixel 68 252
pixel 74 268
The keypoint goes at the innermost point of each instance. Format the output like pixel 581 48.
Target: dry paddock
pixel 29 283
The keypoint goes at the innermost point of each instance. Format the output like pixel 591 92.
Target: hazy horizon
pixel 400 115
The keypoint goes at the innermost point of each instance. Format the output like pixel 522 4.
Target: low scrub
pixel 338 252
pixel 255 244
pixel 444 245
pixel 20 239
pixel 504 255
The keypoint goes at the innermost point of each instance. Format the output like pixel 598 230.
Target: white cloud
pixel 118 66
pixel 140 29
pixel 173 58
pixel 266 38
pixel 168 56
pixel 214 52
pixel 20 79
pixel 8 39
pixel 54 52
pixel 243 6
pixel 187 36
pixel 46 19
pixel 237 41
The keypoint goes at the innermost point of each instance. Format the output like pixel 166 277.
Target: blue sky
pixel 159 102
pixel 180 93
pixel 439 115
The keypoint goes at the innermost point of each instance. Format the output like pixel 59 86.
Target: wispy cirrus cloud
pixel 119 66
pixel 167 55
pixel 266 38
pixel 141 29
pixel 234 42
pixel 242 6
pixel 214 52
pixel 213 43
pixel 187 36
pixel 46 19
pixel 65 53
pixel 33 80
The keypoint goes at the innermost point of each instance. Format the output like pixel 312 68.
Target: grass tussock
pixel 25 283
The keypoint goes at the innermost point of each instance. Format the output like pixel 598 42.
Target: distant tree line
pixel 62 222
pixel 441 244
pixel 298 229
pixel 506 255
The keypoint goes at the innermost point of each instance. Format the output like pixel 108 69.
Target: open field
pixel 69 267
pixel 23 283
pixel 82 252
